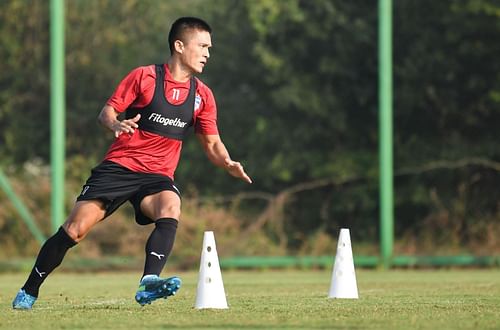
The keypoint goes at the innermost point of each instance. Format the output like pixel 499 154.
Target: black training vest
pixel 161 117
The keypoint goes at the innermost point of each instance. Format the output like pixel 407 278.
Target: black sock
pixel 159 245
pixel 50 256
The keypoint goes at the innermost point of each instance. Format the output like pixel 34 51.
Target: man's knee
pixel 82 218
pixel 75 231
pixel 168 211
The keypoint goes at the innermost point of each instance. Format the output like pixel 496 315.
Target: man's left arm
pixel 217 153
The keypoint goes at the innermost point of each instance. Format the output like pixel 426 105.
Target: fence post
pixel 57 111
pixel 385 132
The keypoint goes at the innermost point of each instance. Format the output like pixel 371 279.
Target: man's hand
pixel 236 170
pixel 125 126
pixel 218 155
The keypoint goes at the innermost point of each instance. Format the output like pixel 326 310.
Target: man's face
pixel 194 50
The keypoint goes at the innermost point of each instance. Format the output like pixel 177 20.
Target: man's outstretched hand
pixel 236 170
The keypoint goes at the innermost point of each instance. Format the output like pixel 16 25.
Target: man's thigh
pixel 158 198
pixel 164 204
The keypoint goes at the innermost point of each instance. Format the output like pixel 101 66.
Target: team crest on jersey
pixel 197 102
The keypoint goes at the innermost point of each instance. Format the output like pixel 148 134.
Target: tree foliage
pixel 296 85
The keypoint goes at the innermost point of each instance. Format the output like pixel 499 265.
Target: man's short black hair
pixel 181 25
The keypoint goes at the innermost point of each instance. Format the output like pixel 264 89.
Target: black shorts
pixel 114 184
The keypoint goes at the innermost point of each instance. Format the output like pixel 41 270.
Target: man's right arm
pixel 124 95
pixel 108 117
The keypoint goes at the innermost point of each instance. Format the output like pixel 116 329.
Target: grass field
pixel 442 299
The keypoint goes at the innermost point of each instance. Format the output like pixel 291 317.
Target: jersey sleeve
pixel 127 90
pixel 206 115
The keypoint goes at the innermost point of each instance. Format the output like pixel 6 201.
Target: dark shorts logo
pixel 85 188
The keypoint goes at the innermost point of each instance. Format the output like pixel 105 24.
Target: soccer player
pixel 160 103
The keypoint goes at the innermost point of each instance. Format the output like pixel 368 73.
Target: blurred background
pixel 296 84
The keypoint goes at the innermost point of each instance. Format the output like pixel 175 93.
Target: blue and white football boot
pixel 23 300
pixel 153 287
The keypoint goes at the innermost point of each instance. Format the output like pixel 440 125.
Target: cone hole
pixel 209 264
pixel 209 248
pixel 208 280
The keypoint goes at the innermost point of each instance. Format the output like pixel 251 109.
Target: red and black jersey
pixel 144 150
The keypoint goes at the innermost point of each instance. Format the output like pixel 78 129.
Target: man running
pixel 160 103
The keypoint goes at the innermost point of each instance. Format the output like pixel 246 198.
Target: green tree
pixel 296 86
pixel 24 82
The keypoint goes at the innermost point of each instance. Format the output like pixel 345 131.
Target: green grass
pixel 442 299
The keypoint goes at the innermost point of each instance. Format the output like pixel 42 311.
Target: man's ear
pixel 179 46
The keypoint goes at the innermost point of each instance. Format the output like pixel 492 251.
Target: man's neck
pixel 178 71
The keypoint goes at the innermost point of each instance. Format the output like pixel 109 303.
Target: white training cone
pixel 343 277
pixel 210 292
